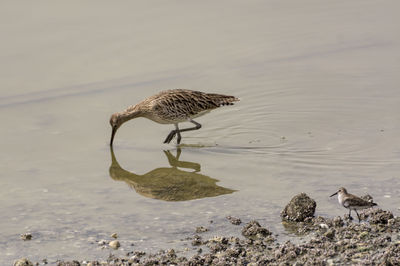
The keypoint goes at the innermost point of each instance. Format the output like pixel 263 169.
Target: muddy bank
pixel 339 240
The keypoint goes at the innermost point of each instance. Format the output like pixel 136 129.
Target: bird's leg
pixel 178 131
pixel 172 134
pixel 351 218
pixel 198 126
pixel 358 216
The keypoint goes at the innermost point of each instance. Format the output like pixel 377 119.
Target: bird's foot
pixel 348 217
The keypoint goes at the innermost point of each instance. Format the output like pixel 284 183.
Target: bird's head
pixel 115 122
pixel 341 190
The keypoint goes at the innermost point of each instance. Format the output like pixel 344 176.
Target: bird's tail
pixel 221 99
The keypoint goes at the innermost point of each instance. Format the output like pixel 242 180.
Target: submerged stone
pixel 201 229
pixel 234 220
pixel 27 236
pixel 254 230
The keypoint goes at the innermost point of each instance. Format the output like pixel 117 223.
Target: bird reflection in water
pixel 170 183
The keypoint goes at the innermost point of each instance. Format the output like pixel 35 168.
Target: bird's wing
pixel 356 202
pixel 186 103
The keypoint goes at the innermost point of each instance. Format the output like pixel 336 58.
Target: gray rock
pixel 201 229
pixel 299 208
pixel 22 262
pixel 377 216
pixel 27 236
pixel 254 230
pixel 234 220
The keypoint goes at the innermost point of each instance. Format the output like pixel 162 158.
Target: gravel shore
pixel 330 241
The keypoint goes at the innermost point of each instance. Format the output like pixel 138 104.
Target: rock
pixel 219 239
pixel 114 235
pixel 337 221
pixel 197 240
pixel 377 216
pixel 330 233
pixel 234 220
pixel 22 262
pixel 391 222
pixel 171 253
pixel 68 263
pixel 299 208
pixel 114 244
pixel 27 236
pixel 381 217
pixel 201 229
pixel 254 230
pixel 363 235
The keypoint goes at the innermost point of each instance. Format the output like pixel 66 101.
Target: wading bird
pixel 172 107
pixel 352 202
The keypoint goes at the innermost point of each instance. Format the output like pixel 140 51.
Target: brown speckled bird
pixel 172 107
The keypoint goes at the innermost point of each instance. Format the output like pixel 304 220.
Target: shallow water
pixel 319 109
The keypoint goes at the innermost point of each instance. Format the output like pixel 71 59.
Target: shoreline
pixel 330 241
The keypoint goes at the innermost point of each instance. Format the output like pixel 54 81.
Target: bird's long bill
pixel 114 130
pixel 334 194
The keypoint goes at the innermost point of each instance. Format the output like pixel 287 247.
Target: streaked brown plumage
pixel 172 107
pixel 352 202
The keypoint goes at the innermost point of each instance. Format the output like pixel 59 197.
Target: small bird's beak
pixel 334 194
pixel 114 130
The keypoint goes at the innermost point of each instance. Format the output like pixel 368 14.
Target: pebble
pixel 330 234
pixel 114 244
pixel 102 242
pixel 201 229
pixel 27 236
pixel 324 226
pixel 114 235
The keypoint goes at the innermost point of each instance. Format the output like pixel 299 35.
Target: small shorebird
pixel 352 202
pixel 172 107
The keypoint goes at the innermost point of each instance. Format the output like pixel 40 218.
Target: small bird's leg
pixel 351 218
pixel 358 216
